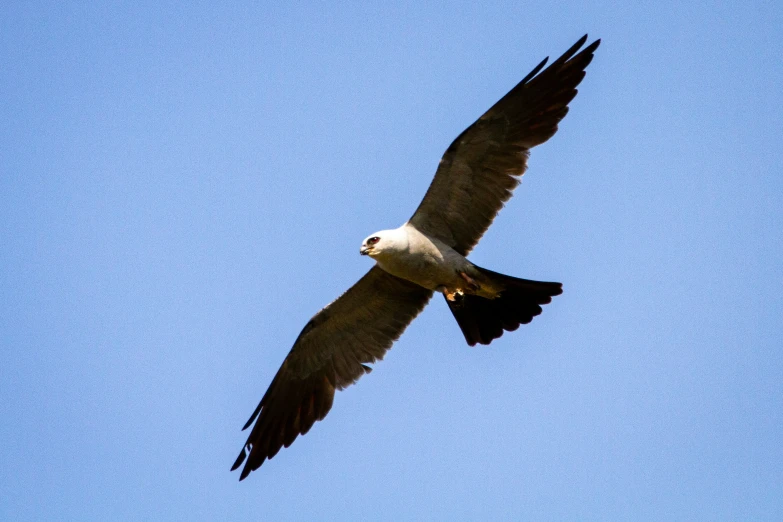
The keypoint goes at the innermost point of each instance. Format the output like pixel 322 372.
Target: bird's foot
pixel 451 295
pixel 456 295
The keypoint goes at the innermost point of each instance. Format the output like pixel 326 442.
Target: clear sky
pixel 182 187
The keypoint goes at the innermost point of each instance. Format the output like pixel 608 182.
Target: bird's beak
pixel 364 250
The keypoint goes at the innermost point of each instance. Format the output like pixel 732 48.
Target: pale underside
pixel 434 265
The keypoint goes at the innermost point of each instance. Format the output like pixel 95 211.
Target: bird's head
pixel 383 242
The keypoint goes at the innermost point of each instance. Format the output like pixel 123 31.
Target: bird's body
pixel 427 261
pixel 427 254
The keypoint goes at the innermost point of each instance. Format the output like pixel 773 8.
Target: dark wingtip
pixel 535 70
pixel 247 469
pixel 566 56
pixel 240 460
pixel 578 45
pixel 593 46
pixel 255 414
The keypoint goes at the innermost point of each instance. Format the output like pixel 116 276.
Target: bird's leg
pixel 472 284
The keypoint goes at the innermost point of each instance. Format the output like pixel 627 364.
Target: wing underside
pixel 331 353
pixel 481 168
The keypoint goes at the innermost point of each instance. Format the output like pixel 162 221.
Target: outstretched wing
pixel 482 166
pixel 330 354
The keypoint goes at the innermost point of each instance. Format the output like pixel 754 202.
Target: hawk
pixel 476 175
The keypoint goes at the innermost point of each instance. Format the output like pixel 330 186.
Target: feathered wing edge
pixel 481 167
pixel 331 353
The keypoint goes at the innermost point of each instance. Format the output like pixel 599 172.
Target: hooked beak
pixel 365 250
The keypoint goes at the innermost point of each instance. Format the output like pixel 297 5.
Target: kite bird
pixel 427 254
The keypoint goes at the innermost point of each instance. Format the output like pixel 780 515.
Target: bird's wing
pixel 330 354
pixel 482 166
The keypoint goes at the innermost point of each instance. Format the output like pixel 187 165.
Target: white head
pixel 384 243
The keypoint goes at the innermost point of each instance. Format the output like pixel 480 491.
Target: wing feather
pixel 331 353
pixel 481 168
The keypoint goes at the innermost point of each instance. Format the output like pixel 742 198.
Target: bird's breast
pixel 425 264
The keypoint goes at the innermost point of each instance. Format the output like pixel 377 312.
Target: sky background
pixel 183 187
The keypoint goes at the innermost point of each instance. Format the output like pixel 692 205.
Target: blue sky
pixel 181 188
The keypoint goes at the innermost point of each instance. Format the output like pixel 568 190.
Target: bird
pixel 426 255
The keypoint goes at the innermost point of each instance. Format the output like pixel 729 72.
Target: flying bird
pixel 476 175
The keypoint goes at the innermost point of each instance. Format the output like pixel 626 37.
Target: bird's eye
pixel 373 240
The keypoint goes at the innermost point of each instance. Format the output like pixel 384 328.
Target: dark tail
pixel 482 320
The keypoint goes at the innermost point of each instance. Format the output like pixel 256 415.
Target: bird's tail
pixel 482 320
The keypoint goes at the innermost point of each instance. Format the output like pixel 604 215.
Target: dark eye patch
pixel 373 240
